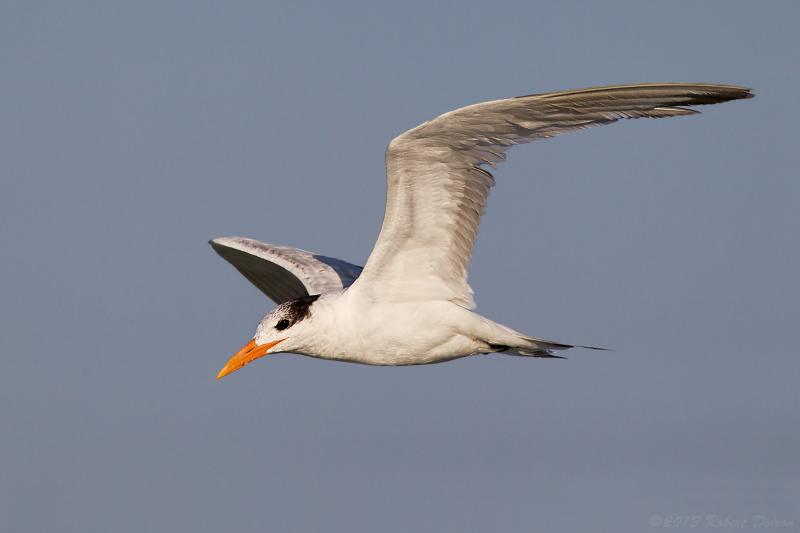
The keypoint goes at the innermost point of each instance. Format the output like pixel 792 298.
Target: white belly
pixel 409 333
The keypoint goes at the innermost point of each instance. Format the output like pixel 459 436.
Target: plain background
pixel 133 132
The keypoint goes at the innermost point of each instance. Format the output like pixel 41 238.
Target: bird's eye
pixel 282 324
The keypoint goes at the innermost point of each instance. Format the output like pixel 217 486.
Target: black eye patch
pixel 295 311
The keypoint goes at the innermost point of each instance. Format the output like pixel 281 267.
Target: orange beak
pixel 249 353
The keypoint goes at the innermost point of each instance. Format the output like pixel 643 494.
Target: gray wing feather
pixel 285 273
pixel 437 189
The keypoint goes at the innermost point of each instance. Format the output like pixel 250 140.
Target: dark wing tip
pixel 722 94
pixel 216 244
pixel 695 93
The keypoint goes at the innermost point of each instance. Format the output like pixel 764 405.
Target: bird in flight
pixel 411 304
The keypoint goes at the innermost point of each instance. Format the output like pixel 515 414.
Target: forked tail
pixel 542 348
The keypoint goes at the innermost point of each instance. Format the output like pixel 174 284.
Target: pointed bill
pixel 249 353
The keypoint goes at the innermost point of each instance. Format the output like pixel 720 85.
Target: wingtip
pixel 223 242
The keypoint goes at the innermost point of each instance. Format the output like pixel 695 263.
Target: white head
pixel 281 330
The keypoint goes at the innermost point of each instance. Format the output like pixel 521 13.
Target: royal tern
pixel 410 304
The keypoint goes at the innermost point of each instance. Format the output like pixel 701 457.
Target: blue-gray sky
pixel 131 133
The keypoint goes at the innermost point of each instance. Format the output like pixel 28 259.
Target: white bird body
pixel 348 326
pixel 411 303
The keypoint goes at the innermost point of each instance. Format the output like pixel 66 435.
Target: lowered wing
pixel 285 273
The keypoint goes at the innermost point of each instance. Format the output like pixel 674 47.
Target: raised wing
pixel 285 273
pixel 437 189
